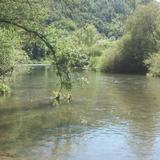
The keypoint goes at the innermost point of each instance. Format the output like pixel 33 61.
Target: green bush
pixel 110 60
pixel 116 59
pixel 153 64
pixel 141 39
pixel 4 89
pixel 123 57
pixel 94 51
pixel 98 48
pixel 66 24
pixel 94 63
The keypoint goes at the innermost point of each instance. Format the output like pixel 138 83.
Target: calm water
pixel 114 117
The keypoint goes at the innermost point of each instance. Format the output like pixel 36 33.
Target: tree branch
pixel 41 37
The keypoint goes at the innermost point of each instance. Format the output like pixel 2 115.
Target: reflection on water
pixel 115 117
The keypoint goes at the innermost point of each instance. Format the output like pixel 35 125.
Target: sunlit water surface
pixel 114 117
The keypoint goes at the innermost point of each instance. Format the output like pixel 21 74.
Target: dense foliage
pixel 30 22
pixel 140 41
pixel 106 15
pixel 153 63
pixel 11 52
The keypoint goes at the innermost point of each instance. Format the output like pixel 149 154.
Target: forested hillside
pixel 106 15
pixel 71 16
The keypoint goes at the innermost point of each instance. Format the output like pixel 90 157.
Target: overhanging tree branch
pixel 35 33
pixel 41 37
pixel 28 30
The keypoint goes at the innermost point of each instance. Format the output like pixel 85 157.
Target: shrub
pixel 153 64
pixel 141 38
pixel 115 58
pixel 4 89
pixel 110 60
pixel 94 63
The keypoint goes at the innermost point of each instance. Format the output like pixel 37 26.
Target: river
pixel 114 117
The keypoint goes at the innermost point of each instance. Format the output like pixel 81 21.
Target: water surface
pixel 114 117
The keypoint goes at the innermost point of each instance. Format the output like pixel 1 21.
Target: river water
pixel 114 117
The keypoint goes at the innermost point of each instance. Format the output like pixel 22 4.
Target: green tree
pixel 141 38
pixel 11 54
pixel 31 17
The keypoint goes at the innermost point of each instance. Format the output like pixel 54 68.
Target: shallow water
pixel 114 117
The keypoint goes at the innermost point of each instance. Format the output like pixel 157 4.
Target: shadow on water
pixel 113 117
